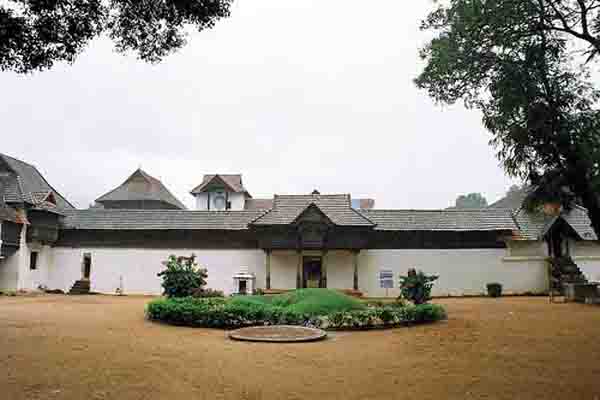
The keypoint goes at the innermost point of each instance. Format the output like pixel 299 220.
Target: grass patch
pixel 317 301
pixel 304 301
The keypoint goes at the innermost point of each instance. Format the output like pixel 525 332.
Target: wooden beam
pixel 299 271
pixel 268 269
pixel 324 269
pixel 355 254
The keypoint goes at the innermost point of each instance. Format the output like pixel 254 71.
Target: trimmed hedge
pixel 237 313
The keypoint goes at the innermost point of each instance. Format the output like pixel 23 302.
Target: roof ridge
pixel 436 210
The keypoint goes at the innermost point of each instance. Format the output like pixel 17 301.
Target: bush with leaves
pixel 202 293
pixel 232 314
pixel 182 277
pixel 416 286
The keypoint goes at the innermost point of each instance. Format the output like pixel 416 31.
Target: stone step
pixel 80 287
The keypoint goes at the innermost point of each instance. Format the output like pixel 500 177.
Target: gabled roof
pixel 232 181
pixel 534 225
pixel 337 207
pixel 140 186
pixel 25 184
pixel 442 220
pixel 117 219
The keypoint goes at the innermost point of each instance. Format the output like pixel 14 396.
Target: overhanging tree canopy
pixel 523 63
pixel 34 34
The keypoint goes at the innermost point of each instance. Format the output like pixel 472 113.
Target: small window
pixel 33 260
pixel 386 279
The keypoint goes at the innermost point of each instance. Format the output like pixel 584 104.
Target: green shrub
pixel 416 286
pixel 182 277
pixel 244 311
pixel 494 289
pixel 207 293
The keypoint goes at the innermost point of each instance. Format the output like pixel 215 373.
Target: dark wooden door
pixel 312 276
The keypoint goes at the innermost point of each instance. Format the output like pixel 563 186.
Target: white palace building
pixel 286 242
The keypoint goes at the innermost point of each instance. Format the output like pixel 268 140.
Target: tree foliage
pixel 35 34
pixel 524 64
pixel 471 200
pixel 182 277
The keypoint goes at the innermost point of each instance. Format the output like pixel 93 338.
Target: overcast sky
pixel 294 94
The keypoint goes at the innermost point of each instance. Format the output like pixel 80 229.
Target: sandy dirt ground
pixel 101 347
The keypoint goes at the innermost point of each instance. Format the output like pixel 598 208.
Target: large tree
pixel 524 63
pixel 34 34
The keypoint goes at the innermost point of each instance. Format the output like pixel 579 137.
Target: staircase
pixel 563 270
pixel 80 287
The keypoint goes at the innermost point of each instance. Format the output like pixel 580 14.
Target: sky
pixel 294 94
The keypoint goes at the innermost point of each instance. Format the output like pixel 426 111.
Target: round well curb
pixel 278 334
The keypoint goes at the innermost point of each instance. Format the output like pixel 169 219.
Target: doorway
pixel 87 266
pixel 312 272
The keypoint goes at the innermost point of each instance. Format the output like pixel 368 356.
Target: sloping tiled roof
pixel 158 219
pixel 258 204
pixel 27 184
pixel 534 225
pixel 141 186
pixel 286 209
pixel 442 220
pixel 234 181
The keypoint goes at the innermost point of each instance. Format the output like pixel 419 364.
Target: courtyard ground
pixel 101 347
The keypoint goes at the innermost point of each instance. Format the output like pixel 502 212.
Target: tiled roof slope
pixel 142 186
pixel 513 201
pixel 442 220
pixel 533 225
pixel 158 219
pixel 234 181
pixel 258 204
pixel 337 207
pixel 26 184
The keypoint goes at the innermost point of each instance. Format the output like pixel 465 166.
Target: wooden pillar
pixel 299 271
pixel 355 254
pixel 324 269
pixel 268 269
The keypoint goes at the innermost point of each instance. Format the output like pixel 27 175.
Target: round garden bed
pixel 278 334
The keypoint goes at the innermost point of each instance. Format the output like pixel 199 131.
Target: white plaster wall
pixel 33 279
pixel 340 269
pixel 139 268
pixel 587 257
pixel 9 273
pixel 238 201
pixel 201 201
pixel 284 265
pixel 461 271
pixel 527 248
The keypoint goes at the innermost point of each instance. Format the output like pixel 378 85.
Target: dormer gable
pixel 312 215
pixel 221 192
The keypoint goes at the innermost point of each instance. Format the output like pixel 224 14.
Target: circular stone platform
pixel 278 334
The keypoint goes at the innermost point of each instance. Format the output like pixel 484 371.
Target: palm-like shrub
pixel 182 277
pixel 416 286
